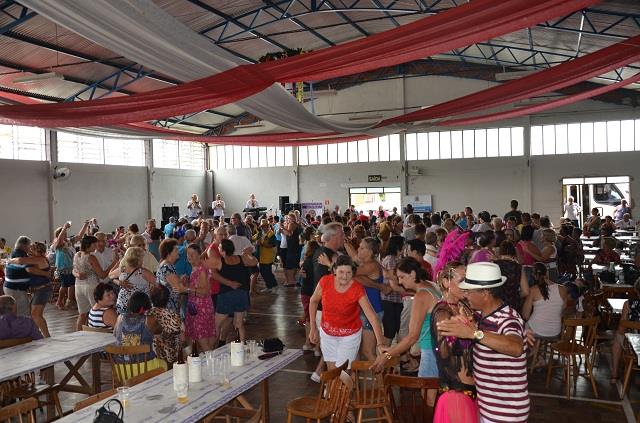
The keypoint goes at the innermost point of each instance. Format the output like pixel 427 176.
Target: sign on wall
pixel 374 178
pixel 316 207
pixel 421 202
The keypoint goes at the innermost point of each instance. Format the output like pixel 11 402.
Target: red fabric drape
pixel 563 75
pixel 522 111
pixel 476 21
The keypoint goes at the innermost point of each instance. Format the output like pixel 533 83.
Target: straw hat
pixel 482 276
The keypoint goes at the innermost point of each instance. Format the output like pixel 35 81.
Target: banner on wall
pixel 421 202
pixel 316 207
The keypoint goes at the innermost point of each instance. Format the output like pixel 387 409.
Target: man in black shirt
pixel 514 212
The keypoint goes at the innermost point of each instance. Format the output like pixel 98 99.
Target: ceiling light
pixel 37 78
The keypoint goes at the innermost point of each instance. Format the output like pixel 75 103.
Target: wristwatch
pixel 478 335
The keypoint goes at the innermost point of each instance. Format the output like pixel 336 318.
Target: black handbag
pixel 105 414
pixel 272 345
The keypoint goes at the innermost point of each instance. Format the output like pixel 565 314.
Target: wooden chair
pixel 411 405
pixel 341 396
pixel 86 328
pixel 321 406
pixel 93 399
pixel 369 390
pixel 630 358
pixel 127 362
pixel 541 350
pixel 235 413
pixel 23 412
pixel 572 347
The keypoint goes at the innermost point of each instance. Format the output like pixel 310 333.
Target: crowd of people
pixel 457 296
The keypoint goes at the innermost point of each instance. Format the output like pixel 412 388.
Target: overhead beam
pixel 23 15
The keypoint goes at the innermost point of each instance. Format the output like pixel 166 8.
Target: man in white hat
pixel 499 358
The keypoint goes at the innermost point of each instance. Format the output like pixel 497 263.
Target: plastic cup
pixel 252 348
pixel 123 396
pixel 182 390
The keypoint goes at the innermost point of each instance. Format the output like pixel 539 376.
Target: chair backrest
pixel 369 386
pixel 591 302
pixel 341 397
pixel 8 343
pixel 86 328
pixel 127 361
pixel 93 399
pixel 586 339
pixel 411 404
pixel 629 325
pixel 327 380
pixel 22 411
pixel 144 376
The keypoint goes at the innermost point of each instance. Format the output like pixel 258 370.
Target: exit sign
pixel 374 178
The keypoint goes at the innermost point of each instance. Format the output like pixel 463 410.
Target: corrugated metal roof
pixel 335 21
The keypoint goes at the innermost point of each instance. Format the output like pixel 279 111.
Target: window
pixel 372 198
pixel 22 143
pixel 174 154
pixel 245 157
pixel 75 148
pixel 466 144
pixel 586 137
pixel 124 152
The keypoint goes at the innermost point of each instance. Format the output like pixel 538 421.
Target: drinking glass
pixel 123 396
pixel 252 348
pixel 182 389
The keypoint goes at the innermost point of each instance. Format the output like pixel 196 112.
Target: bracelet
pixel 387 355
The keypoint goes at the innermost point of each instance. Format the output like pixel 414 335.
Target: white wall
pixel 176 186
pixel 267 184
pixel 115 195
pixel 23 200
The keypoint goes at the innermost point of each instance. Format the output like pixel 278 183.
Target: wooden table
pixel 616 304
pixel 155 400
pixel 634 341
pixel 44 353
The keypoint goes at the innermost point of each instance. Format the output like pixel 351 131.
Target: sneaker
pixel 307 347
pixel 315 377
pixel 266 291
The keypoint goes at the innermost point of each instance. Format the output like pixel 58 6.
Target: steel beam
pixel 18 16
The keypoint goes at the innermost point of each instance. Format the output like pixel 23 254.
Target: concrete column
pixel 295 177
pixel 404 180
pixel 51 140
pixel 148 155
pixel 528 188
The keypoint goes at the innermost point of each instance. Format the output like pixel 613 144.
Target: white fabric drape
pixel 146 34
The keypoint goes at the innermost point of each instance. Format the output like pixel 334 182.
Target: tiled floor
pixel 274 315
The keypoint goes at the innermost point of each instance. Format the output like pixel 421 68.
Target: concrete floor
pixel 274 315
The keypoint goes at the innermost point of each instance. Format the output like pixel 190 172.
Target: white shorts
pixel 84 296
pixel 339 349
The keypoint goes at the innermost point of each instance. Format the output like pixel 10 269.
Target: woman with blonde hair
pixel 134 278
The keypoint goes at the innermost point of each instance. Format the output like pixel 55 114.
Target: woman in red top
pixel 341 327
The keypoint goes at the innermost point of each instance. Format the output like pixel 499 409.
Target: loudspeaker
pixel 169 211
pixel 289 207
pixel 284 199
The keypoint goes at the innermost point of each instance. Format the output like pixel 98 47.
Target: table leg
pixel 95 373
pixel 265 401
pixel 48 375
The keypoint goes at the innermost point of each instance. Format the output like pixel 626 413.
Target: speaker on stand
pixel 284 199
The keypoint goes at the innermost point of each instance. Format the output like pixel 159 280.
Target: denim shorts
pixel 67 280
pixel 41 296
pixel 236 301
pixel 366 325
pixel 428 364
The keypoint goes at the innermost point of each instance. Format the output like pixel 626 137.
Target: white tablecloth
pixel 156 401
pixel 35 355
pixel 634 340
pixel 616 304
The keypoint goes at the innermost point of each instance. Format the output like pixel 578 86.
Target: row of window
pixel 589 137
pixel 242 157
pixel 497 142
pixel 28 143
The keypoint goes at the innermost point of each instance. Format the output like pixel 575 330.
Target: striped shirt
pixel 501 380
pixel 96 318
